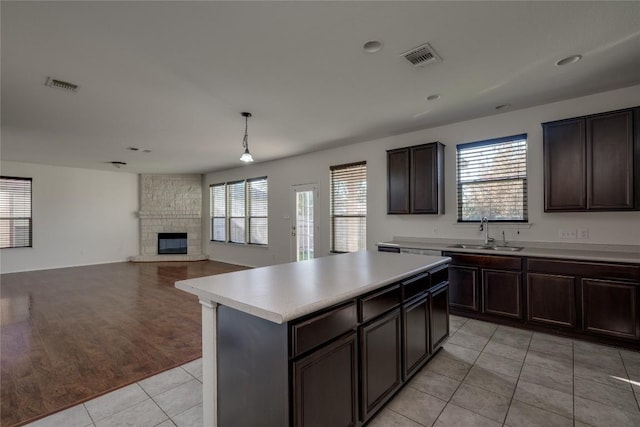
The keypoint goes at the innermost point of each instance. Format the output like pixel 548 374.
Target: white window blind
pixel 15 212
pixel 236 197
pixel 218 212
pixel 349 207
pixel 492 180
pixel 258 195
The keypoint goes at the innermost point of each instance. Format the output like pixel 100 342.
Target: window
pixel 349 207
pixel 492 180
pixel 15 212
pixel 219 212
pixel 236 212
pixel 239 211
pixel 258 192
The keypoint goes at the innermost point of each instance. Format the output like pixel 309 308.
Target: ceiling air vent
pixel 59 84
pixel 422 55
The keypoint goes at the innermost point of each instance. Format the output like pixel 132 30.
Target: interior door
pixel 304 213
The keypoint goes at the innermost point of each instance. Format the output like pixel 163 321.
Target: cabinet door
pixel 325 386
pixel 439 311
pixel 398 181
pixel 551 299
pixel 610 308
pixel 415 337
pixel 565 166
pixel 610 157
pixel 463 287
pixel 380 350
pixel 425 178
pixel 501 293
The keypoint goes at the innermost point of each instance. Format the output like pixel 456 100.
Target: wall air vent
pixel 59 84
pixel 422 55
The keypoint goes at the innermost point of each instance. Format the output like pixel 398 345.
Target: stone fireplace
pixel 170 205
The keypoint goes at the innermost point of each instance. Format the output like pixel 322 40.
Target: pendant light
pixel 246 156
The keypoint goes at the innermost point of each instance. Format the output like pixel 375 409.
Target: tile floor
pixel 486 375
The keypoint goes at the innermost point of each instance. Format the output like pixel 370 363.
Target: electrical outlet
pixel 583 233
pixel 567 234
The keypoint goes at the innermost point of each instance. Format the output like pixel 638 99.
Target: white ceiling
pixel 173 77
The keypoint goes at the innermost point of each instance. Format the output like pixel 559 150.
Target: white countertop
pixel 284 292
pixel 586 252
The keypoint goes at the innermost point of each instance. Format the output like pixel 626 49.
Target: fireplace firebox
pixel 172 243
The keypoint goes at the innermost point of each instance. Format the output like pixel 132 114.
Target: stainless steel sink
pixel 465 246
pixel 488 247
pixel 506 248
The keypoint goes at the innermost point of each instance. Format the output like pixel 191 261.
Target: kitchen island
pixel 320 342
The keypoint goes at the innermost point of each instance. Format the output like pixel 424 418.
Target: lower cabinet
pixel 325 386
pixel 380 361
pixel 610 307
pixel 551 299
pixel 415 337
pixel 502 293
pixel 488 284
pixel 463 284
pixel 347 361
pixel 439 315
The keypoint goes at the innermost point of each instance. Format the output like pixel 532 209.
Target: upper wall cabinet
pixel 415 179
pixel 592 163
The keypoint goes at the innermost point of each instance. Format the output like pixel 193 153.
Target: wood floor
pixel 70 334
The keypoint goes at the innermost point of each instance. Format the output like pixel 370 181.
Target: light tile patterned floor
pixel 486 375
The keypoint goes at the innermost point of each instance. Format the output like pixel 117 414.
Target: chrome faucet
pixel 504 239
pixel 484 226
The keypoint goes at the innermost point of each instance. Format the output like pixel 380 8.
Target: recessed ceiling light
pixel 503 106
pixel 372 46
pixel 118 164
pixel 146 151
pixel 569 60
pixel 133 148
pixel 434 97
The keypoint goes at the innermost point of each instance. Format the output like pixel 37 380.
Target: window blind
pixel 349 207
pixel 218 212
pixel 492 180
pixel 15 212
pixel 236 197
pixel 258 195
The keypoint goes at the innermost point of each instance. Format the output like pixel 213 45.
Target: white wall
pixel 604 227
pixel 80 217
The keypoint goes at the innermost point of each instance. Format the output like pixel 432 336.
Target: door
pixel 303 221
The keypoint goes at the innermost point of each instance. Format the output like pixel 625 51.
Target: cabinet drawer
pixel 440 275
pixel 415 285
pixel 487 261
pixel 380 302
pixel 322 328
pixel 585 269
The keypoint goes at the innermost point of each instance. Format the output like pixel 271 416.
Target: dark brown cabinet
pixel 463 288
pixel 325 386
pixel 551 299
pixel 502 295
pixel 415 179
pixel 415 336
pixel 380 361
pixel 439 315
pixel 597 298
pixel 347 361
pixel 398 181
pixel 610 307
pixel 487 284
pixel 591 163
